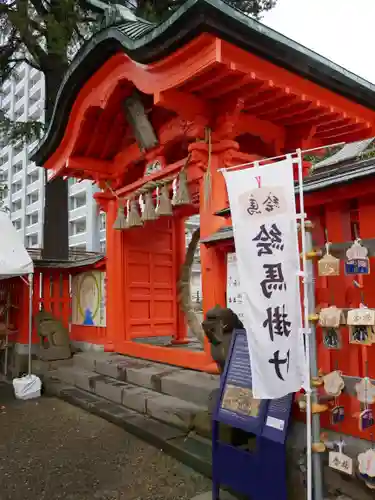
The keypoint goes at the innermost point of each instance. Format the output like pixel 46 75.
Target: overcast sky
pixel 341 30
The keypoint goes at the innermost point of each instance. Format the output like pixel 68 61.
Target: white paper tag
pixel 275 423
pixel 341 462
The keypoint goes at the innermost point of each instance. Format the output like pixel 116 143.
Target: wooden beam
pixel 127 157
pixel 90 165
pixel 264 129
pixel 280 102
pixel 242 60
pixel 300 137
pixel 171 131
pixel 348 129
pixel 347 123
pixel 177 128
pixel 308 117
pixel 184 104
pixel 248 80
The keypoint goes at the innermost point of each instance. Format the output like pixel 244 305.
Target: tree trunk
pixel 56 222
pixel 184 294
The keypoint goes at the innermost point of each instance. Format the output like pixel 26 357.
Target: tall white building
pixel 23 99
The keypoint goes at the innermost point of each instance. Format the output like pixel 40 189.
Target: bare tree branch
pixel 25 60
pixel 39 7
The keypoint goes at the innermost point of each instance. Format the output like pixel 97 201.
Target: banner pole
pixel 311 339
pixel 31 291
pixel 314 469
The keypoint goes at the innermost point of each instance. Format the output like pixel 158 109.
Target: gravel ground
pixel 50 450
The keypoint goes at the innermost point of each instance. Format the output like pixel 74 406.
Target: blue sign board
pixel 261 474
pixel 237 407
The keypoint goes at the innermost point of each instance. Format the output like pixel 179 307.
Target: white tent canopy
pixel 14 259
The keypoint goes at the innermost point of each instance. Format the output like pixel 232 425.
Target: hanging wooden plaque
pixel 329 266
pixel 357 261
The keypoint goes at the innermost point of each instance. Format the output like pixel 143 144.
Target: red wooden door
pixel 150 281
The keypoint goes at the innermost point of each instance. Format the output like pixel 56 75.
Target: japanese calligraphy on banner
pixel 234 290
pixel 262 204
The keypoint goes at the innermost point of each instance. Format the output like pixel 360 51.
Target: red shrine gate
pixel 220 92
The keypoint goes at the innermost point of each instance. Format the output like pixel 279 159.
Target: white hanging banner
pixel 262 205
pixel 234 290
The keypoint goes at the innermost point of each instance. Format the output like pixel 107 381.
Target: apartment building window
pixel 32 219
pixel 19 112
pixel 81 247
pixel 77 227
pixel 17 148
pixel 77 201
pixel 17 167
pixel 35 79
pixel 103 246
pixel 32 240
pixel 6 108
pixel 36 114
pixel 102 221
pixel 3 192
pixel 73 181
pixel 17 186
pixel 3 176
pixel 35 97
pixel 21 73
pixel 16 205
pixel 4 159
pixel 33 177
pixel 6 91
pixel 20 94
pixel 17 224
pixel 32 198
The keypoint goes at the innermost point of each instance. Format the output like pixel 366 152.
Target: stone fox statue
pixel 53 336
pixel 218 327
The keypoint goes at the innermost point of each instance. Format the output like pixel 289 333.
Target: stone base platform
pixel 169 407
pixel 169 394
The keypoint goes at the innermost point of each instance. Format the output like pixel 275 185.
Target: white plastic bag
pixel 27 387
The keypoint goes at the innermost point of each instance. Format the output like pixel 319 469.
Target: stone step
pixel 192 450
pixel 167 409
pixel 188 385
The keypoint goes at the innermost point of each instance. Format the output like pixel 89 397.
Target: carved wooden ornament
pixel 361 317
pixel 340 462
pixel 330 317
pixel 334 383
pixel 366 463
pixel 357 261
pixel 329 266
pixel 365 391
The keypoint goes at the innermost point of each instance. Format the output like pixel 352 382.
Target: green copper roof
pixel 146 43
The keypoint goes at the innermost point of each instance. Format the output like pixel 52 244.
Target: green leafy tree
pixel 156 10
pixel 46 34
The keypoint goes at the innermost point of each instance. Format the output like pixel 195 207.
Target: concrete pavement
pixel 51 450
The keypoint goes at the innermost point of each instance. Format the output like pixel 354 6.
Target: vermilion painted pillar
pixel 366 208
pixel 213 260
pixel 115 269
pixel 341 288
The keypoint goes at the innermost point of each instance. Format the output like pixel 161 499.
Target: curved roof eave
pixel 193 18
